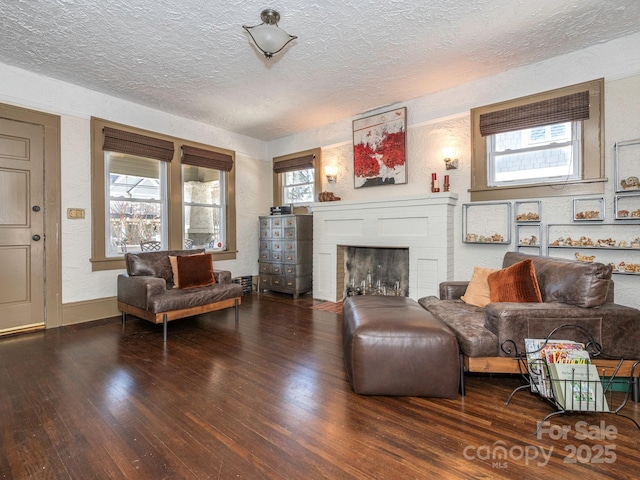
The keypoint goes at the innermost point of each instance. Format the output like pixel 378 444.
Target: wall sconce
pixel 450 162
pixel 331 172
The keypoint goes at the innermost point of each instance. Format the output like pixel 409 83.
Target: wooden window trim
pixel 592 150
pixel 99 260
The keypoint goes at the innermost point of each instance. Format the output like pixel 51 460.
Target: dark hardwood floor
pixel 268 398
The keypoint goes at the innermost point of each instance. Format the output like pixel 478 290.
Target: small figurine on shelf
pixel 327 197
pixel 446 183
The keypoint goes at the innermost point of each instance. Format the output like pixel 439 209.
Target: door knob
pixel 36 237
pixel 35 208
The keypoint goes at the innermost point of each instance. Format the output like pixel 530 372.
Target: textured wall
pixel 442 119
pixel 76 105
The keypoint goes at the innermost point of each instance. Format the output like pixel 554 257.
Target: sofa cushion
pixel 195 271
pixel 478 292
pixel 516 283
pixel 568 281
pixel 467 322
pixel 177 299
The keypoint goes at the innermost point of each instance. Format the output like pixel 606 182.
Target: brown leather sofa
pixel 147 290
pixel 573 293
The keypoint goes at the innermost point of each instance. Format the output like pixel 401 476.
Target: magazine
pixel 541 352
pixel 577 387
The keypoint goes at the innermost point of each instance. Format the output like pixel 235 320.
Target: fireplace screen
pixel 375 271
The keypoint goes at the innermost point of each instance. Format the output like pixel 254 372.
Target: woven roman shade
pixel 293 164
pixel 199 157
pixel 567 108
pixel 135 144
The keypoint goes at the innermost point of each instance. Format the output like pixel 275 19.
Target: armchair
pixel 147 290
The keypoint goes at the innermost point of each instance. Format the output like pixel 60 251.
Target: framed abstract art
pixel 379 149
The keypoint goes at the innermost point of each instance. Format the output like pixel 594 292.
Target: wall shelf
pixel 528 211
pixel 627 207
pixel 622 252
pixel 626 156
pixel 528 238
pixel 589 209
pixel 486 223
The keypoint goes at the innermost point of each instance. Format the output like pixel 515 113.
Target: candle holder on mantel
pixel 435 187
pixel 446 183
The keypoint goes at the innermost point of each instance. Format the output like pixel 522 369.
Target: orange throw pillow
pixel 478 292
pixel 517 283
pixel 195 271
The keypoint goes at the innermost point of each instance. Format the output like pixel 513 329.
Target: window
pixel 297 186
pixel 296 178
pixel 148 187
pixel 544 145
pixel 548 154
pixel 204 174
pixel 137 206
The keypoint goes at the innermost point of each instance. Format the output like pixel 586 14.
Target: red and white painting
pixel 379 144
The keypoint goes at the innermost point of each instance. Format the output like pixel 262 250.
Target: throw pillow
pixel 195 271
pixel 478 292
pixel 174 268
pixel 517 283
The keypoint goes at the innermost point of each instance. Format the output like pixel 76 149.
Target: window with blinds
pixel 136 180
pixel 154 191
pixel 203 184
pixel 536 146
pixel 296 178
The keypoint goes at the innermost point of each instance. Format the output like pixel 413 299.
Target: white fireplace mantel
pixel 423 224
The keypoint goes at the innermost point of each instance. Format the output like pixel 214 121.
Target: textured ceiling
pixel 193 59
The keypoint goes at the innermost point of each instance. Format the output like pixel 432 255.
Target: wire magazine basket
pixel 561 372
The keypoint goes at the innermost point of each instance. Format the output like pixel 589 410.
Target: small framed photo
pixel 379 149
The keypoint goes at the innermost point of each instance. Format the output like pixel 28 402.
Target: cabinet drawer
pixel 276 245
pixel 299 270
pixel 289 233
pixel 276 232
pixel 265 223
pixel 265 232
pixel 290 281
pixel 276 268
pixel 265 268
pixel 265 255
pixel 265 245
pixel 276 256
pixel 264 281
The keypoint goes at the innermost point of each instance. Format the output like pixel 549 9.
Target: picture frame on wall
pixel 379 149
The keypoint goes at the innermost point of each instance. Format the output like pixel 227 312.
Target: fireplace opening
pixel 373 271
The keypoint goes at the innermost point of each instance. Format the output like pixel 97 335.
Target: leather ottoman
pixel 393 346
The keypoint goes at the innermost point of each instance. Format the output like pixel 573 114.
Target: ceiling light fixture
pixel 268 37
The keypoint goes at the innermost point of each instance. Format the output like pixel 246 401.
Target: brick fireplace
pixel 421 224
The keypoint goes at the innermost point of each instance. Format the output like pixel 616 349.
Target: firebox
pixel 374 270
